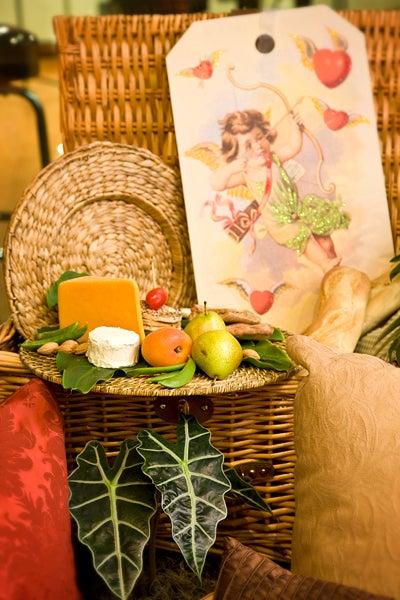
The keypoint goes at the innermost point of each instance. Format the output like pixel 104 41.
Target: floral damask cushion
pixel 36 555
pixel 347 474
pixel 248 575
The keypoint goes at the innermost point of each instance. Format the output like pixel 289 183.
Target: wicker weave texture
pixel 114 82
pixel 105 209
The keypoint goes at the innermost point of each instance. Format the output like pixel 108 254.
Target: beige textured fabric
pixel 347 475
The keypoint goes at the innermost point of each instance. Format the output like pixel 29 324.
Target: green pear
pixel 208 320
pixel 217 353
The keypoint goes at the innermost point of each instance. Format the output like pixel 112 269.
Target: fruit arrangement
pixel 164 344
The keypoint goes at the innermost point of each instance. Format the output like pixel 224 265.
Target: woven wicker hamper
pixel 114 87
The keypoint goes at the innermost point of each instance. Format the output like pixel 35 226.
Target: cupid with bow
pixel 249 164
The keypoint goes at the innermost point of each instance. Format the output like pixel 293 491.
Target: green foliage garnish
pixel 52 294
pixel 271 356
pixel 396 270
pixel 80 375
pixel 179 378
pixel 71 332
pixel 277 335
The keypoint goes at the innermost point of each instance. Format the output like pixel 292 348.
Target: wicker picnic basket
pixel 114 87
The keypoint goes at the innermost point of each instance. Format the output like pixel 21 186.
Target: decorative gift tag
pixel 279 157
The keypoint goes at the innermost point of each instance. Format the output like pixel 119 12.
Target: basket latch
pixel 170 408
pixel 256 472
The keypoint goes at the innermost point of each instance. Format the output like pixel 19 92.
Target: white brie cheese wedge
pixel 113 347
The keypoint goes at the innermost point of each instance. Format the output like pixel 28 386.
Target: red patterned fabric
pixel 36 555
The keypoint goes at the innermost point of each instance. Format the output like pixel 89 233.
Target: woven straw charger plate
pixel 109 210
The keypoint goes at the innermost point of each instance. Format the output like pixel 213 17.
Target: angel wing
pixel 240 285
pixel 320 105
pixel 215 57
pixel 209 154
pixel 186 73
pixel 338 40
pixel 357 120
pixel 306 48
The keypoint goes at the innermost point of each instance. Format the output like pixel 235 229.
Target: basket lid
pixel 106 209
pixel 245 378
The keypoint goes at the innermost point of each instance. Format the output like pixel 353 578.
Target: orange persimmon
pixel 166 346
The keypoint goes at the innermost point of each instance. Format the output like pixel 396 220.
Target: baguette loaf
pixel 341 309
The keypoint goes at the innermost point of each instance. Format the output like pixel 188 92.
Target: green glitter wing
pixel 312 213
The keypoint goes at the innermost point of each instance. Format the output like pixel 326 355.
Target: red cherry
pixel 335 119
pixel 203 70
pixel 156 298
pixel 331 66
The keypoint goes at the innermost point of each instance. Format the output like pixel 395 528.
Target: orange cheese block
pixel 98 301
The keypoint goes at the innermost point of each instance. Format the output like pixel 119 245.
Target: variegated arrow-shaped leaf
pixel 245 490
pixel 113 507
pixel 190 477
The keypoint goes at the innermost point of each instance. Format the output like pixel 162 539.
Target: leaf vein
pixel 131 561
pixel 203 476
pixel 89 501
pixel 85 481
pixel 211 505
pixel 96 528
pixel 120 522
pixel 171 479
pixel 164 448
pixel 194 459
pixel 179 497
pixel 134 502
pixel 98 567
pixel 162 465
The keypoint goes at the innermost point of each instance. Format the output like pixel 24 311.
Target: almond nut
pixel 82 348
pixel 69 346
pixel 48 349
pixel 250 353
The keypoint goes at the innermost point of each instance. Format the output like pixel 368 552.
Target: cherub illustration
pixel 250 164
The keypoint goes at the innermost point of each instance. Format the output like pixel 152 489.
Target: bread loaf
pixel 384 300
pixel 340 313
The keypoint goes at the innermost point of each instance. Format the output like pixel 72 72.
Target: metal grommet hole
pixel 265 43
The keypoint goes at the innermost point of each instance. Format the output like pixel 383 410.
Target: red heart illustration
pixel 203 70
pixel 331 66
pixel 335 119
pixel 261 301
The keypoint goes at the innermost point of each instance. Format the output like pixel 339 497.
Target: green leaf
pixel 177 379
pixel 245 490
pixel 144 369
pixel 71 332
pixel 192 483
pixel 79 374
pixel 394 272
pixel 47 329
pixel 113 507
pixel 271 356
pixel 395 258
pixel 52 294
pixel 277 335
